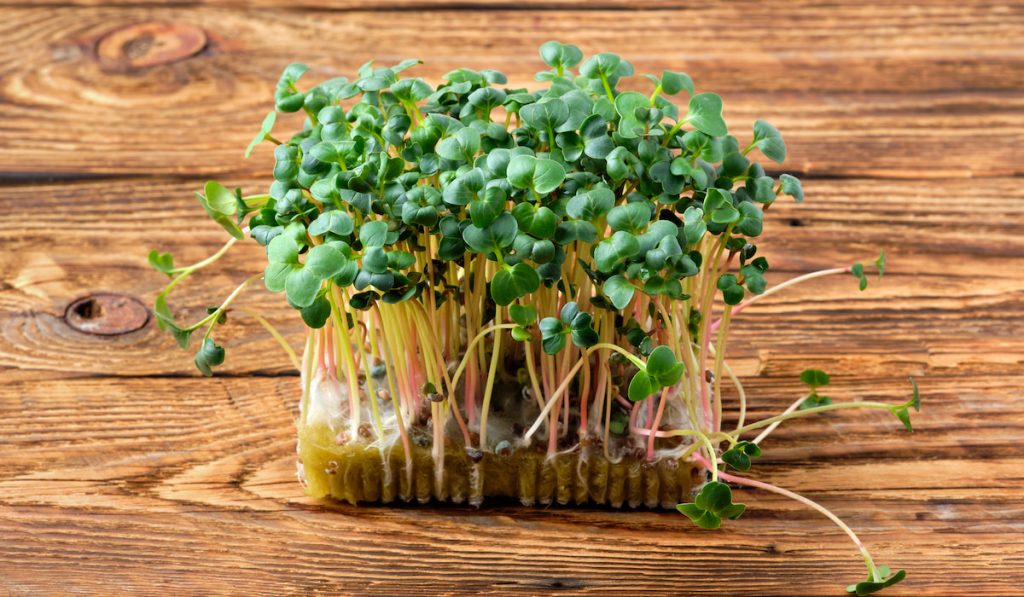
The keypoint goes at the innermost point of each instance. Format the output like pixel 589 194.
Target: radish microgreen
pixel 587 245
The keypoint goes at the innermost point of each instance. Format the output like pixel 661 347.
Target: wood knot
pixel 152 43
pixel 106 314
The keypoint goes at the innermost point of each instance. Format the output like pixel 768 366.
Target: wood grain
pixel 852 97
pixel 121 472
pixel 117 486
pixel 513 5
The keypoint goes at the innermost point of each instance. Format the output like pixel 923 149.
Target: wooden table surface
pixel 121 471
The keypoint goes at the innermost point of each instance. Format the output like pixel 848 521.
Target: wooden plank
pixel 510 5
pixel 126 486
pixel 370 5
pixel 121 473
pixel 90 91
pixel 951 294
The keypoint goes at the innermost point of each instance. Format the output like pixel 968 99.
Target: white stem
pixel 772 427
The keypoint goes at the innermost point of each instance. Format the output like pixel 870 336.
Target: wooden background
pixel 121 471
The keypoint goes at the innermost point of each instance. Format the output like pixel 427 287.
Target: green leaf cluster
pixel 662 370
pixel 739 455
pixel 711 505
pixel 902 411
pixel 572 324
pixel 857 269
pixel 387 160
pixel 887 579
pixel 393 183
pixel 814 379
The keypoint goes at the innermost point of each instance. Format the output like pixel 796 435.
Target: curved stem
pixel 656 422
pixel 791 408
pixel 489 387
pixel 614 347
pixel 292 356
pixel 711 462
pixel 476 340
pixel 183 272
pixel 804 278
pixel 215 315
pixel 371 389
pixel 567 380
pixel 872 569
pixel 807 412
pixel 421 316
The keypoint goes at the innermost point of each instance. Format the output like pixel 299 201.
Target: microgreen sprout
pixel 711 505
pixel 482 266
pixel 814 379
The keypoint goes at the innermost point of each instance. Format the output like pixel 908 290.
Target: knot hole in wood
pixel 148 44
pixel 106 314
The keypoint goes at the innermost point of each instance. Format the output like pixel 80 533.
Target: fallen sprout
pixel 712 504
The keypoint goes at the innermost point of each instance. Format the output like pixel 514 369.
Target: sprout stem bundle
pixel 515 293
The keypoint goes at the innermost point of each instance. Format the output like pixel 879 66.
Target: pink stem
pixel 740 307
pixel 633 415
pixel 647 432
pixel 697 457
pixel 656 424
pixel 564 404
pixel 585 395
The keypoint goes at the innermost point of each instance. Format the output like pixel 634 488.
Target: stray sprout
pixel 490 273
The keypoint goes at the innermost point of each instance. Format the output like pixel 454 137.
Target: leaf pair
pixel 857 269
pixel 524 316
pixel 738 456
pixel 572 323
pixel 513 282
pixel 814 379
pixel 539 174
pixel 672 82
pixel 768 139
pixel 712 504
pixel 592 204
pixel 869 586
pixel 902 411
pixel 614 250
pixel 662 370
pixel 560 56
pixel 162 262
pixel 732 290
pixel 705 114
pixel 209 356
pixel 491 238
pixel 165 321
pixel 719 207
pixel 221 205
